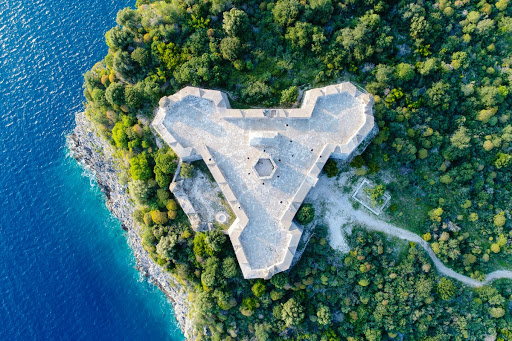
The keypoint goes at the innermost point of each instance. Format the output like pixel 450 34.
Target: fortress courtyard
pixel 265 161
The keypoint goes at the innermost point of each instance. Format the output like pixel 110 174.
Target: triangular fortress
pixel 265 160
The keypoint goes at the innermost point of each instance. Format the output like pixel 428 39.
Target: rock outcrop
pixel 96 155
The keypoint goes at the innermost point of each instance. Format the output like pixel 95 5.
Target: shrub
pixel 306 214
pixel 375 194
pixel 172 205
pixel 289 95
pixel 147 219
pixel 166 161
pixel 330 168
pixel 172 214
pixel 187 170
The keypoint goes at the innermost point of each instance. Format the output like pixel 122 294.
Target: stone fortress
pixel 265 161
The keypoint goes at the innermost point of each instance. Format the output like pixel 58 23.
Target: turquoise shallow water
pixel 66 271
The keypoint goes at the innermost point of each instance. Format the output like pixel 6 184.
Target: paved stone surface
pixel 199 123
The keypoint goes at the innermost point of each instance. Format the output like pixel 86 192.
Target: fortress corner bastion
pixel 265 161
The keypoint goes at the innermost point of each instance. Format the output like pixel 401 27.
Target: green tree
pixel 139 167
pixel 404 72
pixel 438 95
pixel 118 38
pixel 300 35
pixel 162 179
pixel 134 96
pixel 204 303
pixel 383 73
pixel 323 314
pixel 121 130
pixel 199 244
pixel 289 95
pixel 500 219
pixel 292 313
pixel 262 331
pixel 125 66
pixel 140 191
pixel 166 160
pixel 249 303
pixel 502 160
pixel 446 288
pixel 115 94
pixel 255 92
pixel 148 240
pixel 166 247
pixel 141 56
pixel 214 242
pixel 230 47
pixel 258 289
pixel 320 11
pixel 460 138
pixel 286 12
pixel 165 166
pixel 128 18
pixel 98 97
pixel 280 280
pixel 229 267
pixel 428 66
pixel 497 312
pixel 235 23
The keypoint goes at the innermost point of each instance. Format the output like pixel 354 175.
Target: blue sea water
pixel 66 271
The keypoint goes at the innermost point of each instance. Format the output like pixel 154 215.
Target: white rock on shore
pixel 95 154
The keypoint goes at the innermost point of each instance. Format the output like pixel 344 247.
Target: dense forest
pixel 441 78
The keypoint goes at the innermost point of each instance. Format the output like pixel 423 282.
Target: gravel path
pixel 335 206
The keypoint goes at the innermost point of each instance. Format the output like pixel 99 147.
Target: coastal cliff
pixel 95 154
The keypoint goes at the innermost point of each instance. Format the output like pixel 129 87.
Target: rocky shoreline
pixel 96 155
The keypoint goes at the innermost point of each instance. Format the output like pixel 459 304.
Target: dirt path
pixel 336 209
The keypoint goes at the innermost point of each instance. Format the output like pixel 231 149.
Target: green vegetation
pixel 305 214
pixel 440 74
pixel 376 194
pixel 330 168
pixel 187 170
